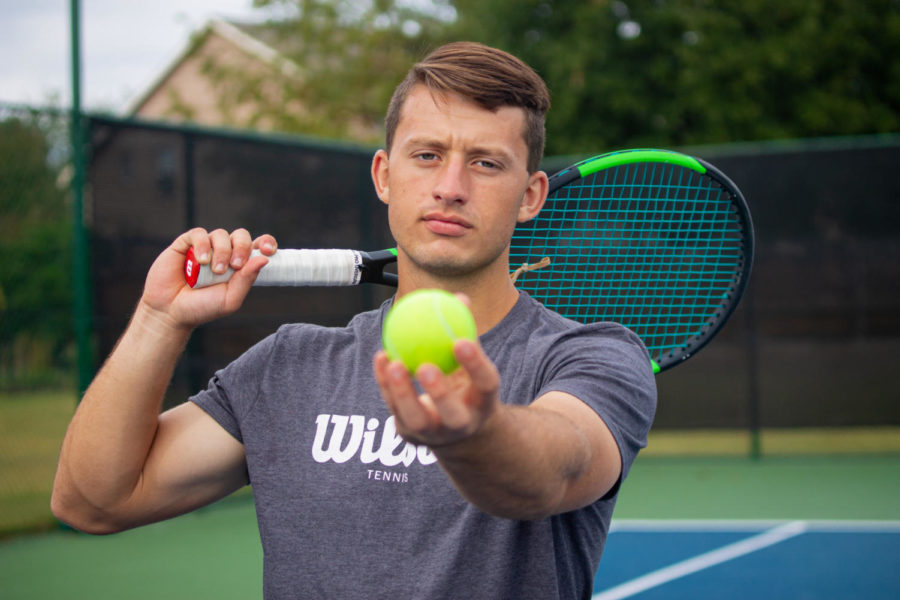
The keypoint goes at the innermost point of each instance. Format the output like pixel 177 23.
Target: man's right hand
pixel 167 295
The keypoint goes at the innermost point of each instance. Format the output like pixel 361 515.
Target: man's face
pixel 456 183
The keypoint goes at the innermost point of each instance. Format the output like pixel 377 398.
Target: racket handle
pixel 287 268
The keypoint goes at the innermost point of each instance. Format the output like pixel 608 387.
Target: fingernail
pixel 236 262
pixel 219 268
pixel 427 375
pixel 204 258
pixel 397 373
pixel 466 349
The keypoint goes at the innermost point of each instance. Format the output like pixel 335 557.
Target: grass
pixel 776 442
pixel 32 425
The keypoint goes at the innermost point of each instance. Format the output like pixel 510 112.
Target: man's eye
pixel 427 156
pixel 487 164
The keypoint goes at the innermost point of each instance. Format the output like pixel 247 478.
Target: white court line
pixel 703 561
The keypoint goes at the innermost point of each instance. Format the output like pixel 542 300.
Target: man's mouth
pixel 444 224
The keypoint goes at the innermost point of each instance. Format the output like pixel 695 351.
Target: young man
pixel 495 481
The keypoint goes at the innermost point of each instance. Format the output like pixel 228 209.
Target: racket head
pixel 658 241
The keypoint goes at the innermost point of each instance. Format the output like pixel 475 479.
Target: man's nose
pixel 452 185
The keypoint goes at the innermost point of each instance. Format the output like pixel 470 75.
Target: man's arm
pixel 519 462
pixel 124 464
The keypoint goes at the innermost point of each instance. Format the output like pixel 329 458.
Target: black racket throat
pixel 373 264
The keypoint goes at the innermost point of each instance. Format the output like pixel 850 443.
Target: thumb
pixel 240 283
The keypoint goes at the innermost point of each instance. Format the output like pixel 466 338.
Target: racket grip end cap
pixel 191 268
pixel 200 276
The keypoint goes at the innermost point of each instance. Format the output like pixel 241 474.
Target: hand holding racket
pixel 658 241
pixel 165 294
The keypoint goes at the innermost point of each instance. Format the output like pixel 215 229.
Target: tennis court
pixel 697 527
pixel 750 559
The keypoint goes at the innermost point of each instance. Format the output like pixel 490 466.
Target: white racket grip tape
pixel 287 268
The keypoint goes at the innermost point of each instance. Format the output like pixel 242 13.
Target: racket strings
pixel 653 246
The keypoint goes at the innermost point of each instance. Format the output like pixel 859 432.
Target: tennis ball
pixel 422 326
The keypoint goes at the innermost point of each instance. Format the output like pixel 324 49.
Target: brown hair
pixel 490 77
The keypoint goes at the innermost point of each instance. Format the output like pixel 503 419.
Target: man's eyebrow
pixel 427 142
pixel 491 151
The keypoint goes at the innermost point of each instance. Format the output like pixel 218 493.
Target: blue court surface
pixel 774 560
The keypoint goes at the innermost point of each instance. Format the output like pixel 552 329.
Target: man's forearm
pixel 529 463
pixel 110 436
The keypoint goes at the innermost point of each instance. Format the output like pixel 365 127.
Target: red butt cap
pixel 191 268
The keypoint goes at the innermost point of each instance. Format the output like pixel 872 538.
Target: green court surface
pixel 212 553
pixel 790 487
pixel 215 552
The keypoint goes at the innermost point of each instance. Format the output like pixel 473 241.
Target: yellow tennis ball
pixel 422 326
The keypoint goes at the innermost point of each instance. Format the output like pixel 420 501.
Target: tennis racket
pixel 658 241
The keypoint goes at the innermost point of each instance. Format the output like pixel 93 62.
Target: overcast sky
pixel 125 45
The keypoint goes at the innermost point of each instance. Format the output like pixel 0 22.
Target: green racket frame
pixel 656 240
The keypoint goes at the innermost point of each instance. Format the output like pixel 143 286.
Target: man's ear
pixel 535 196
pixel 380 175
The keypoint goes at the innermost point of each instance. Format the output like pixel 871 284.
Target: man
pixel 495 481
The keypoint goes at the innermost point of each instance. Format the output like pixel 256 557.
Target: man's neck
pixel 491 293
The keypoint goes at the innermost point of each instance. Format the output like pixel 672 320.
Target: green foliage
pixel 35 252
pixel 677 72
pixel 622 73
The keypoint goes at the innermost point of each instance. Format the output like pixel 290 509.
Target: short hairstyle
pixel 490 77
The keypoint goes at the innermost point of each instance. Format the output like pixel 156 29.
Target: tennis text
pixel 340 437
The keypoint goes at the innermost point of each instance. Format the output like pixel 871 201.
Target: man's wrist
pixel 150 321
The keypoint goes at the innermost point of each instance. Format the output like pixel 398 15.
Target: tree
pixel 348 57
pixel 678 72
pixel 621 73
pixel 35 248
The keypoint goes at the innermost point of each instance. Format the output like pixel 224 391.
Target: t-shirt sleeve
pixel 232 391
pixel 607 366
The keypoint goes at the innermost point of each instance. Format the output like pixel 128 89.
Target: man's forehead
pixel 423 104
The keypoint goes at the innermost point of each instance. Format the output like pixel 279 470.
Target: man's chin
pixel 448 263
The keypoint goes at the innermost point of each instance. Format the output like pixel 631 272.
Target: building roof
pixel 262 41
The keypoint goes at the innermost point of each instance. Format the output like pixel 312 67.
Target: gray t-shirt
pixel 347 509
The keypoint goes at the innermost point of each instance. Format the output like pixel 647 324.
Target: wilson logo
pixel 340 437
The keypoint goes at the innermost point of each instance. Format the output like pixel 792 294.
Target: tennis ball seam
pixel 439 311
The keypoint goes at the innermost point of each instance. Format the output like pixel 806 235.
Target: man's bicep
pixel 193 462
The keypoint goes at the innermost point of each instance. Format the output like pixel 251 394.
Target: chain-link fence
pixel 811 345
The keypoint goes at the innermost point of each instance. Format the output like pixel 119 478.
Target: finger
pixel 447 397
pixel 240 248
pixel 481 371
pixel 464 299
pixel 240 283
pixel 266 244
pixel 414 417
pixel 250 271
pixel 198 239
pixel 221 250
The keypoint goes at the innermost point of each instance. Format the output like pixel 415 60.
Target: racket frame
pixel 717 319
